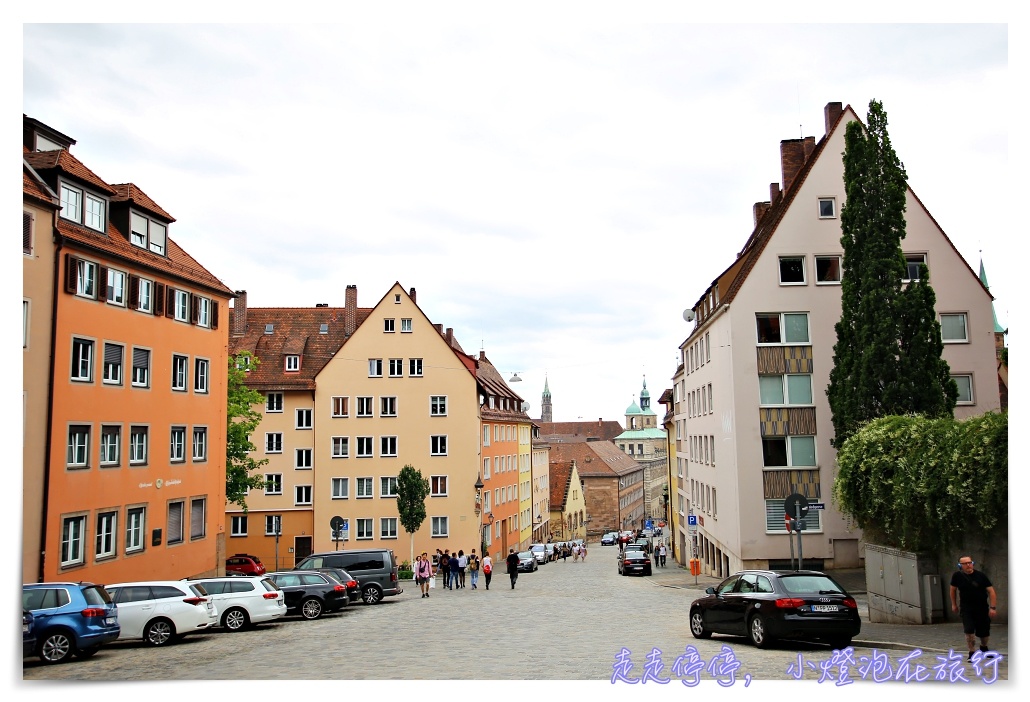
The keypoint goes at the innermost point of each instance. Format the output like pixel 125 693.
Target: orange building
pixel 133 471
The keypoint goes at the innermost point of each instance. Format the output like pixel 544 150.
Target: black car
pixel 527 562
pixel 28 634
pixel 347 580
pixel 766 605
pixel 634 560
pixel 310 593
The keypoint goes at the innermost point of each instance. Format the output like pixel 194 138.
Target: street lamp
pixel 479 493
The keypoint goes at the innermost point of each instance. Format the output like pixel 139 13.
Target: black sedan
pixel 346 579
pixel 766 605
pixel 634 560
pixel 310 593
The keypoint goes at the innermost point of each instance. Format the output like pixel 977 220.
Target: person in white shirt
pixel 463 562
pixel 488 567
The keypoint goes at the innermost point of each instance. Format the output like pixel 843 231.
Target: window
pixel 792 270
pixel 711 402
pixel 273 483
pixel 340 406
pixel 774 517
pixel 387 446
pixel 200 375
pixel 375 368
pixel 340 488
pixel 274 402
pixel 827 269
pixel 135 521
pixel 182 306
pixel 364 406
pixel 180 372
pixel 303 459
pixel 785 389
pixel 438 445
pixel 113 363
pixel 440 526
pixel 110 445
pixel 486 434
pixel 239 525
pixel 274 442
pixel 73 534
pixel 388 527
pixel 199 444
pixel 415 367
pixel 912 264
pixel 82 360
pixel 364 487
pixel 783 328
pixel 273 524
pixel 438 486
pixel 438 406
pixel 387 406
pixel 140 368
pixel 137 445
pixel 106 524
pixel 965 389
pixel 145 293
pixel 85 278
pixel 304 418
pixel 364 528
pixel 198 518
pixel 388 486
pixel 178 444
pixel 788 451
pixel 323 328
pixel 302 495
pixel 405 326
pixel 292 363
pixel 486 468
pixel 95 212
pixel 396 367
pixel 827 207
pixel 364 447
pixel 203 306
pixel 71 203
pixel 115 287
pixel 341 446
pixel 388 326
pixel 176 512
pixel 953 328
pixel 78 446
pixel 147 233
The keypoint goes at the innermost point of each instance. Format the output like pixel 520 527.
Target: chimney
pixel 482 355
pixel 450 335
pixel 411 294
pixel 809 147
pixel 760 209
pixel 350 311
pixel 792 158
pixel 832 113
pixel 774 192
pixel 239 314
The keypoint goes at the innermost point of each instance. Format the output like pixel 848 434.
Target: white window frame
pixel 438 445
pixel 910 260
pixel 389 325
pixel 182 306
pixel 486 469
pixel 94 213
pixel 112 372
pixel 304 418
pixel 173 537
pixel 146 295
pixel 436 482
pixel 388 446
pixel 135 528
pixel 340 447
pixel 364 527
pixel 273 524
pixel 198 518
pixel 73 540
pixel 788 401
pixel 141 374
pixel 388 527
pixel 789 442
pixel 86 279
pixel 437 405
pixel 388 406
pixel 238 525
pixel 964 339
pixel 139 439
pixel 201 372
pixel 341 406
pixel 273 442
pixel 414 367
pixel 79 439
pixel 82 360
pixel 203 312
pixel 110 451
pixel 405 326
pixel 177 444
pixel 782 323
pixel 396 367
pixel 968 377
pixel 273 483
pixel 375 368
pixel 199 444
pixel 302 495
pixel 839 268
pixel 180 372
pixel 441 526
pixel 116 287
pixel 71 202
pixel 832 201
pixel 365 447
pixel 366 406
pixel 387 482
pixel 303 458
pixel 274 402
pixel 336 491
pixel 774 515
pixel 804 270
pixel 486 435
pixel 363 488
pixel 292 363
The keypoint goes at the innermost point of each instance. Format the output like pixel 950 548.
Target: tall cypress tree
pixel 886 360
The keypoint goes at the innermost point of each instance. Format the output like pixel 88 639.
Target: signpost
pixel 339 526
pixel 795 507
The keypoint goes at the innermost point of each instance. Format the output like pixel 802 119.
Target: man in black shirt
pixel 512 562
pixel 978 601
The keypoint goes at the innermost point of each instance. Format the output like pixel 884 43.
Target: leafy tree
pixel 242 420
pixel 412 491
pixel 887 359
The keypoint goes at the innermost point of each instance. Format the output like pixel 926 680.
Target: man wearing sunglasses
pixel 979 603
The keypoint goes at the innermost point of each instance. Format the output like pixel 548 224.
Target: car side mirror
pixel 709 590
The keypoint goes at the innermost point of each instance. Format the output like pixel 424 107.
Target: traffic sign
pixel 336 523
pixel 692 521
pixel 796 505
pixel 816 505
pixel 346 525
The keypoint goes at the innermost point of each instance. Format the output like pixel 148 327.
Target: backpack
pixel 487 569
pixel 474 564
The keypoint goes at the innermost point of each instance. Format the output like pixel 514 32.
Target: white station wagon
pixel 159 611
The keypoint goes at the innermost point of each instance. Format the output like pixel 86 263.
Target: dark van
pixel 375 569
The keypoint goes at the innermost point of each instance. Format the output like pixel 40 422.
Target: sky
pixel 556 194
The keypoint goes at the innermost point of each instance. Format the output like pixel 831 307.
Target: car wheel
pixel 839 644
pixel 372 595
pixel 697 625
pixel 311 608
pixel 87 652
pixel 757 632
pixel 235 619
pixel 158 632
pixel 56 647
pixel 648 571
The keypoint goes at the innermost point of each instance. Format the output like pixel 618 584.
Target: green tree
pixel 412 491
pixel 887 359
pixel 242 419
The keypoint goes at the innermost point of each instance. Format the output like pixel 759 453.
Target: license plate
pixel 824 608
pixel 110 621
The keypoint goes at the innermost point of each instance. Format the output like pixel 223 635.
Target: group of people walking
pixel 454 567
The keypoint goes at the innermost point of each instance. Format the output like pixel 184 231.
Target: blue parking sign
pixel 691 520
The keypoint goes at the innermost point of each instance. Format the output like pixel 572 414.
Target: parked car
pixel 609 539
pixel 527 562
pixel 242 601
pixel 28 635
pixel 345 579
pixel 542 552
pixel 310 593
pixel 245 563
pixel 162 611
pixel 626 537
pixel 69 619
pixel 766 605
pixel 375 569
pixel 634 560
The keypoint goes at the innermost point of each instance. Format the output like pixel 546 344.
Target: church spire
pixel 545 403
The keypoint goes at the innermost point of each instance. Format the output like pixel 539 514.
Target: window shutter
pixel 71 272
pixel 140 358
pixel 169 301
pixel 197 518
pixel 113 354
pixel 26 232
pixel 134 291
pixel 159 299
pixel 102 283
pixel 194 308
pixel 214 314
pixel 175 522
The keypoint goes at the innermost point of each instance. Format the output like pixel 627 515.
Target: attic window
pixel 147 234
pixel 269 328
pixel 323 328
pixel 397 299
pixel 292 362
pixel 827 208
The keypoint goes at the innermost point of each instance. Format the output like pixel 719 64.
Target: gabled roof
pixel 559 478
pixel 34 188
pixel 580 431
pixel 492 383
pixel 595 458
pixel 128 192
pixel 63 160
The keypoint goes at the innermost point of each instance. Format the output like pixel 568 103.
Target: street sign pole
pixel 801 558
pixel 790 538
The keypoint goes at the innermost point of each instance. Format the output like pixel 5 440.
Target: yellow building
pixel 568 506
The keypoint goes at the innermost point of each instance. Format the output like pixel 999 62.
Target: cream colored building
pixel 541 488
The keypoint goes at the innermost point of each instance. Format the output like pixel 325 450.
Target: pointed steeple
pixel 645 396
pixel 998 329
pixel 545 403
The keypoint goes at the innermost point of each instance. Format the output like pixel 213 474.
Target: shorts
pixel 977 622
pixel 421 581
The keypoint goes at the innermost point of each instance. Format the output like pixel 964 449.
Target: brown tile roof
pixel 128 192
pixel 595 458
pixel 36 189
pixel 492 383
pixel 559 476
pixel 606 430
pixel 63 160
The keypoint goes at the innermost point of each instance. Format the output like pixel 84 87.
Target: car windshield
pixel 538 547
pixel 526 554
pixel 810 585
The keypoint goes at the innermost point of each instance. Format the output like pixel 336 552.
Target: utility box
pixel 933 599
pixel 903 587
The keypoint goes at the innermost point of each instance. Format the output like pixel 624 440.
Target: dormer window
pixel 148 234
pixel 269 328
pixel 71 203
pixel 293 362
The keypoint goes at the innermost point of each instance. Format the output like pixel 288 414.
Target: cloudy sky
pixel 558 193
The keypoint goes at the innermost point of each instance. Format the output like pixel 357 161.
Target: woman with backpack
pixel 488 567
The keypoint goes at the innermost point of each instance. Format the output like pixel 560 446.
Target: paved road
pixel 567 621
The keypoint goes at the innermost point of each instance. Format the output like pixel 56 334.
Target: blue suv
pixel 70 619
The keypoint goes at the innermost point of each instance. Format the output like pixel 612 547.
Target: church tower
pixel 545 404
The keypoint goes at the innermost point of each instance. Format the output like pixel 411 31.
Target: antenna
pixel 801 131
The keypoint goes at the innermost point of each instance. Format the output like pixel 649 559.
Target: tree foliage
pixel 412 491
pixel 887 359
pixel 918 483
pixel 242 419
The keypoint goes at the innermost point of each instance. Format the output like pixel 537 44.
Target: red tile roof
pixel 492 383
pixel 606 430
pixel 34 188
pixel 595 458
pixel 128 192
pixel 559 476
pixel 62 159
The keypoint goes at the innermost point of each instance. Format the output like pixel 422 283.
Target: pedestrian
pixel 423 572
pixel 513 566
pixel 564 553
pixel 444 566
pixel 555 557
pixel 453 567
pixel 662 553
pixel 656 557
pixel 575 552
pixel 583 552
pixel 463 562
pixel 488 567
pixel 977 601
pixel 474 568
